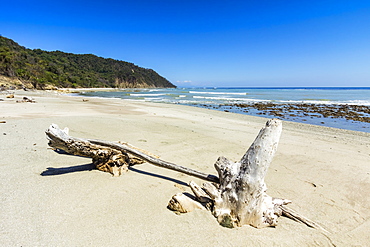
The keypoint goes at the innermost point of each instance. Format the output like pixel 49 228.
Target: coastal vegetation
pixel 39 69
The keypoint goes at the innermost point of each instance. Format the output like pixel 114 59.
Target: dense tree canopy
pixel 60 69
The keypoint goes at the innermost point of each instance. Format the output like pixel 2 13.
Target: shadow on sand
pixel 157 176
pixel 50 171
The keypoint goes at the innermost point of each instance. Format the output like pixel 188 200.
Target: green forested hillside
pixel 59 69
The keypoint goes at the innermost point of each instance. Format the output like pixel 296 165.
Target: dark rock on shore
pixel 350 112
pixel 358 113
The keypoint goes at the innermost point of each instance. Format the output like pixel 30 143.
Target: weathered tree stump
pixel 241 199
pixel 240 196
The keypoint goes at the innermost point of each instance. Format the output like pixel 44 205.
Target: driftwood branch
pixel 156 161
pixel 290 213
pixel 236 197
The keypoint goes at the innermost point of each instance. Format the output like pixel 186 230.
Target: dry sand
pixel 49 199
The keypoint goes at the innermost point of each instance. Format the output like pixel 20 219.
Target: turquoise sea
pixel 228 99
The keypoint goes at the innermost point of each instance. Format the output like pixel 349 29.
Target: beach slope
pixel 51 199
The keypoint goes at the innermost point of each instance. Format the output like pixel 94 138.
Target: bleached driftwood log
pixel 105 159
pixel 237 197
pixel 112 157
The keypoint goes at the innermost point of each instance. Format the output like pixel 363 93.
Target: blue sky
pixel 208 43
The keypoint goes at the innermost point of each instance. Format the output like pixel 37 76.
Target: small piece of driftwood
pixel 236 197
pixel 26 100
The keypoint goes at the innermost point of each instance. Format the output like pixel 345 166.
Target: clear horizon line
pixel 301 87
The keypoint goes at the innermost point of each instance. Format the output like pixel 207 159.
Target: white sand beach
pixel 51 199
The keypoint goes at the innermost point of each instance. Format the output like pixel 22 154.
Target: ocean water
pixel 229 99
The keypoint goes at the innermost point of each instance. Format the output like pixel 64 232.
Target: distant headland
pixel 21 67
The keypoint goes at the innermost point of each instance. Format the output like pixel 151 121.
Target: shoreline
pixel 344 116
pixel 350 117
pixel 324 171
pixel 66 93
